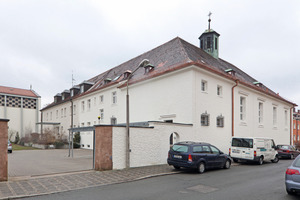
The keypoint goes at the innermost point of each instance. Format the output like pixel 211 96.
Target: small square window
pixel 205 119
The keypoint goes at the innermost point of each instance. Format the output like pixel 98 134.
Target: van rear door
pixel 242 148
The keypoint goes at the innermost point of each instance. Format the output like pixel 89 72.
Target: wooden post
pixel 3 149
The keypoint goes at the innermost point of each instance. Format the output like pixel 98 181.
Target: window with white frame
pixel 113 121
pixel 82 106
pixel 286 118
pixel 65 112
pixel 88 105
pixel 88 124
pixel 243 108
pixel 74 109
pixel 219 91
pixel 56 114
pixel 62 113
pixel 114 97
pixel 274 115
pixel 101 99
pixel 81 89
pixel 204 86
pixel 260 112
pixel 205 119
pixel 220 121
pixel 95 101
pixel 101 114
pixel 82 124
pixel 50 115
pixel 294 125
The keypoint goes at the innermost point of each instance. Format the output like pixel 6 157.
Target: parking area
pixel 44 162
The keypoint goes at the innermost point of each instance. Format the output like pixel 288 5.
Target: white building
pixel 21 107
pixel 183 84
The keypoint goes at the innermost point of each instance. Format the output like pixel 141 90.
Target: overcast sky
pixel 43 42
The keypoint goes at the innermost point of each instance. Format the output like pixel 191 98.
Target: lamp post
pixel 142 64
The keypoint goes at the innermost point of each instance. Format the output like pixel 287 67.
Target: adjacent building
pixel 182 84
pixel 21 107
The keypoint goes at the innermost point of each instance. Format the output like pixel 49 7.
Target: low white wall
pixel 149 146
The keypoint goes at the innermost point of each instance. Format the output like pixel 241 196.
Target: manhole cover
pixel 203 188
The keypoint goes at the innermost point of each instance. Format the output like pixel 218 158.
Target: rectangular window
pixel 260 113
pixel 114 97
pixel 294 125
pixel 95 101
pixel 88 124
pixel 56 114
pixel 101 98
pixel 81 89
pixel 242 108
pixel 201 44
pixel 72 93
pixel 208 42
pixel 50 115
pixel 62 113
pixel 47 117
pixel 274 116
pixel 216 43
pixel 82 124
pixel 219 90
pixel 101 114
pixel 74 109
pixel 113 121
pixel 82 106
pixel 203 86
pixel 88 105
pixel 286 118
pixel 205 119
pixel 65 112
pixel 220 121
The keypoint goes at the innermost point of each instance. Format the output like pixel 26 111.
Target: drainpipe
pixel 291 125
pixel 232 107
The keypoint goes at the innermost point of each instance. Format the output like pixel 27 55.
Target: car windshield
pixel 242 142
pixel 283 146
pixel 180 148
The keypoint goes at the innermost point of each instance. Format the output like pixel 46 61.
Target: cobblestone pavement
pixel 33 186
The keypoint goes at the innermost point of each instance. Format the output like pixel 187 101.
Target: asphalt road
pixel 243 182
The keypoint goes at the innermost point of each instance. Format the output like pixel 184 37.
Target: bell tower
pixel 209 40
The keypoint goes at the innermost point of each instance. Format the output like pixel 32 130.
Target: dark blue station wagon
pixel 200 156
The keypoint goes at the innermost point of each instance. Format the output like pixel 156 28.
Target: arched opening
pixel 174 137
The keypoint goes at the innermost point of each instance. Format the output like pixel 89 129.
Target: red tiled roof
pixel 17 91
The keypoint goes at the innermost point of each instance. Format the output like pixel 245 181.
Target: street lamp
pixel 142 64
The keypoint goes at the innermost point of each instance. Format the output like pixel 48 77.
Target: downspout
pixel 291 125
pixel 232 107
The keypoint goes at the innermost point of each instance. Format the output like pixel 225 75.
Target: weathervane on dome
pixel 209 20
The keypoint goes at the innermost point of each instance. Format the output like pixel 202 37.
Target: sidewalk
pixel 40 185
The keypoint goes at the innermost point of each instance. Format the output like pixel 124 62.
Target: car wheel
pixel 176 167
pixel 276 159
pixel 227 164
pixel 261 160
pixel 201 167
pixel 290 192
pixel 292 157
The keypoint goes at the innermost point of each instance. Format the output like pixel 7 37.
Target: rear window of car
pixel 180 148
pixel 296 162
pixel 283 146
pixel 242 142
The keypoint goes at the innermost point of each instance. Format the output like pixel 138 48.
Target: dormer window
pixel 81 89
pixel 72 93
pixel 127 74
pixel 149 68
pixel 258 84
pixel 230 71
pixel 107 80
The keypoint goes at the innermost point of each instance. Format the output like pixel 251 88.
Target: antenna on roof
pixel 73 80
pixel 209 20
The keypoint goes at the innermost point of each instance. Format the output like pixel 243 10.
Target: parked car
pixel 197 155
pixel 253 149
pixel 292 177
pixel 9 147
pixel 287 151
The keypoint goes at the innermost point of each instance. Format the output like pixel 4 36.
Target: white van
pixel 253 149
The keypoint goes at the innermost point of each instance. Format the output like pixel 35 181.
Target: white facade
pixel 21 107
pixel 165 98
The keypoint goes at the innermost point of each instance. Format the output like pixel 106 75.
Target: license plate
pixel 235 151
pixel 178 156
